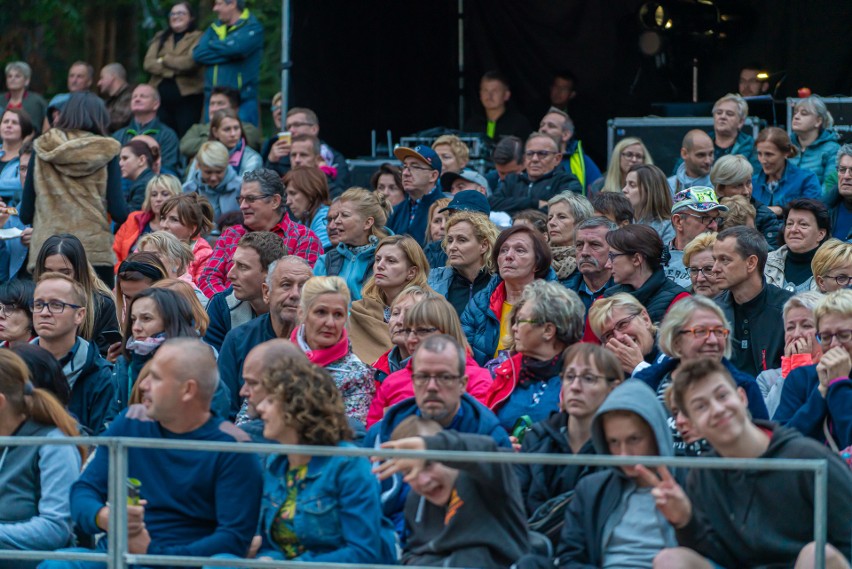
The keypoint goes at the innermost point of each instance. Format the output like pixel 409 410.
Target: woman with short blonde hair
pixel 832 265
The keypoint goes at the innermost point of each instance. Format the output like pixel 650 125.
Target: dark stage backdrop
pixel 387 64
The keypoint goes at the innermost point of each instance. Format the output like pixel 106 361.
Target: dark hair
pixel 313 183
pixel 510 148
pixel 641 239
pixel 543 256
pixel 45 371
pixel 817 208
pixel 268 246
pixel 139 148
pixel 495 75
pixel 178 320
pixel 615 204
pixel 534 217
pixel 84 111
pixel 749 241
pixel 18 293
pixel 24 120
pixel 192 209
pixel 568 75
pixel 389 169
pixel 316 145
pixel 229 219
pixel 692 372
pixel 233 95
pixel 190 28
pixel 778 137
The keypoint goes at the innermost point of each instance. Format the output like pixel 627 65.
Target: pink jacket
pixel 398 386
pixel 202 251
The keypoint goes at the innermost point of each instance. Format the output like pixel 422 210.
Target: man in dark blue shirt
pixel 421 168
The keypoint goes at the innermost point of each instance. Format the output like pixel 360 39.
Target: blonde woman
pixel 159 189
pixel 176 257
pixel 832 265
pixel 627 153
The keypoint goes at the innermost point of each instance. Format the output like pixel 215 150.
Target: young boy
pixel 739 518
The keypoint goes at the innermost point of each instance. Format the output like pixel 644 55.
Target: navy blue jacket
pixel 400 221
pixel 794 183
pixel 655 373
pixel 238 343
pixel 804 408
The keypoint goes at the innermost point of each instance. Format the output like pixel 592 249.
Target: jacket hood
pixel 686 181
pixel 83 363
pixel 827 135
pixel 75 154
pixel 637 397
pixel 226 186
pixel 473 419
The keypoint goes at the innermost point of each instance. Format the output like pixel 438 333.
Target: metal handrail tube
pixel 179 561
pixel 37 555
pixel 118 473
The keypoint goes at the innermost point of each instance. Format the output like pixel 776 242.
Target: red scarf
pixel 324 356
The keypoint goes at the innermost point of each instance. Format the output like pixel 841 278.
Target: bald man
pixel 195 503
pixel 697 153
pixel 144 104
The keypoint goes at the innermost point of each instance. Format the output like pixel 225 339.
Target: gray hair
pixel 285 259
pixel 437 344
pixel 568 125
pixel 732 169
pixel 845 150
pixel 677 317
pixel 269 181
pixel 21 66
pixel 816 105
pixel 116 69
pixel 551 302
pixel 596 221
pixel 742 106
pixel 581 208
pixel 807 299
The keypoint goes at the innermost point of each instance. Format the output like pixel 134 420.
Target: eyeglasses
pixel 177 13
pixel 704 220
pixel 843 336
pixel 586 379
pixel 53 307
pixel 419 332
pixel 530 321
pixel 542 154
pixel 843 170
pixel 5 309
pixel 633 156
pixel 620 326
pixel 275 108
pixel 412 168
pixel 706 271
pixel 293 125
pixel 701 332
pixel 841 280
pixel 250 199
pixel 442 379
pixel 613 256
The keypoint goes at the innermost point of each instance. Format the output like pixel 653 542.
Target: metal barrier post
pixel 820 514
pixel 119 511
pixel 114 492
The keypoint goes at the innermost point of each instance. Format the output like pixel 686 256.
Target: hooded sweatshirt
pixel 612 522
pixel 682 181
pixel 223 197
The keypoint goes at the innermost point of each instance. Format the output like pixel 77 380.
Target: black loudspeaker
pixel 362 168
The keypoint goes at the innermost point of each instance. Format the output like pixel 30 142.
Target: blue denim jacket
pixel 338 511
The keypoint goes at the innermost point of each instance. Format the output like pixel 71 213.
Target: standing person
pixel 357 219
pixel 779 180
pixel 35 512
pixel 144 104
pixel 814 136
pixel 18 96
pixel 308 200
pixel 231 49
pixel 74 181
pixel 174 73
pixel 147 218
pixel 628 152
pixel 707 514
pixel 496 119
pixel 648 191
pixel 198 503
pixel 66 254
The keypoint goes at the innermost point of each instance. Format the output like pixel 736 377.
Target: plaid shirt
pixel 298 240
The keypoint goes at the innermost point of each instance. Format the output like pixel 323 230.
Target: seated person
pixel 59 308
pixel 454 153
pixel 221 97
pixel 496 119
pixel 623 326
pixel 16 316
pixel 189 217
pixel 807 225
pixel 35 512
pixel 818 398
pixel 436 229
pixel 462 513
pixel 397 357
pixel 614 206
pixel 612 520
pixel 212 177
pixel 729 138
pixel 197 503
pixel 740 212
pixel 304 407
pixel 709 529
pixel 779 180
pixel 147 218
pixel 589 374
pixel 135 161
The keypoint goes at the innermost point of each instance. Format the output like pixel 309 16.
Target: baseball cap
pixel 449 178
pixel 422 153
pixel 469 200
pixel 697 198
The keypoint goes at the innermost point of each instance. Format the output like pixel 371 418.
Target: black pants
pixel 178 111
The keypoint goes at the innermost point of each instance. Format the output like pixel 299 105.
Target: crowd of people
pixel 167 273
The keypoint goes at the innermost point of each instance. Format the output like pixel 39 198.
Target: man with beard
pixel 282 292
pixel 592 278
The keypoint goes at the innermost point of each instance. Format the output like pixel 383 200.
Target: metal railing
pixel 117 556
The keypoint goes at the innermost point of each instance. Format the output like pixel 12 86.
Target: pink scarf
pixel 324 356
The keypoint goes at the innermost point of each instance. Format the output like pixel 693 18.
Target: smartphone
pixel 285 136
pixel 111 336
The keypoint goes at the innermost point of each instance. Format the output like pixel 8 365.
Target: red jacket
pixel 398 386
pixel 128 234
pixel 202 251
pixel 505 380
